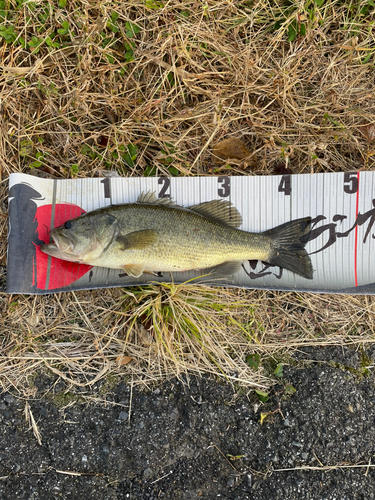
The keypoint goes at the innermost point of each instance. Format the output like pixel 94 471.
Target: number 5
pixel 350 183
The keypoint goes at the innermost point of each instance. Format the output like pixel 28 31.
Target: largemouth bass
pixel 155 235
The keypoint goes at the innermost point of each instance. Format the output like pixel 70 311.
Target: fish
pixel 155 235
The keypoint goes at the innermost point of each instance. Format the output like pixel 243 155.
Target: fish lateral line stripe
pixel 356 235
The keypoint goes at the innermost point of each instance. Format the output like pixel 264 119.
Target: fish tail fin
pixel 288 243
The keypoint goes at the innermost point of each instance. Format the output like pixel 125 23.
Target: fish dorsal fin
pixel 151 199
pixel 137 239
pixel 221 211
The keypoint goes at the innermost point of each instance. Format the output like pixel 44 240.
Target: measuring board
pixel 341 245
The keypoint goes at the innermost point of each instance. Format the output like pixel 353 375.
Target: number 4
pixel 284 186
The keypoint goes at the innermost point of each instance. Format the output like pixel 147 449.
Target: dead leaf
pixel 44 172
pixel 39 67
pixel 17 71
pixel 102 141
pixel 99 26
pixel 123 360
pixel 33 320
pixel 111 115
pixel 281 169
pixel 229 148
pixel 368 131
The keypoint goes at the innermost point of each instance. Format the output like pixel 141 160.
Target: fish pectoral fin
pixel 137 239
pixel 135 270
pixel 220 211
pixel 224 269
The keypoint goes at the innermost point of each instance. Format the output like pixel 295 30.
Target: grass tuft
pixel 165 330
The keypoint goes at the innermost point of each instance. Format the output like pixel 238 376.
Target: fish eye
pixel 68 224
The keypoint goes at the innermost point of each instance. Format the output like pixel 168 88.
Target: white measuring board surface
pixel 341 245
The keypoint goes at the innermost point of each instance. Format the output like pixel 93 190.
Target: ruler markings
pixel 356 233
pixel 370 254
pixel 342 247
pixel 323 211
pixel 343 210
pixel 365 226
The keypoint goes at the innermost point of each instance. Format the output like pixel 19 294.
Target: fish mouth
pixel 62 242
pixel 60 247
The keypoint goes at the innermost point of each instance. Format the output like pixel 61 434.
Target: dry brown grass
pixel 221 71
pixel 158 331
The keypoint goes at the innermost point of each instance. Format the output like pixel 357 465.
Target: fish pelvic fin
pixel 288 243
pixel 134 270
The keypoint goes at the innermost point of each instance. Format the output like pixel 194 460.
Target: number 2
pixel 166 183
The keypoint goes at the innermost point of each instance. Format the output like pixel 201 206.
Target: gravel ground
pixel 178 441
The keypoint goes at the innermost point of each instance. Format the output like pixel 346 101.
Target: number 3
pixel 223 190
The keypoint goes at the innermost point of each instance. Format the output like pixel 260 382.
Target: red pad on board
pixel 62 272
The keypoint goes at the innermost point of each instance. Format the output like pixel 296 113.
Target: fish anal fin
pixel 220 211
pixel 137 239
pixel 135 270
pixel 224 269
